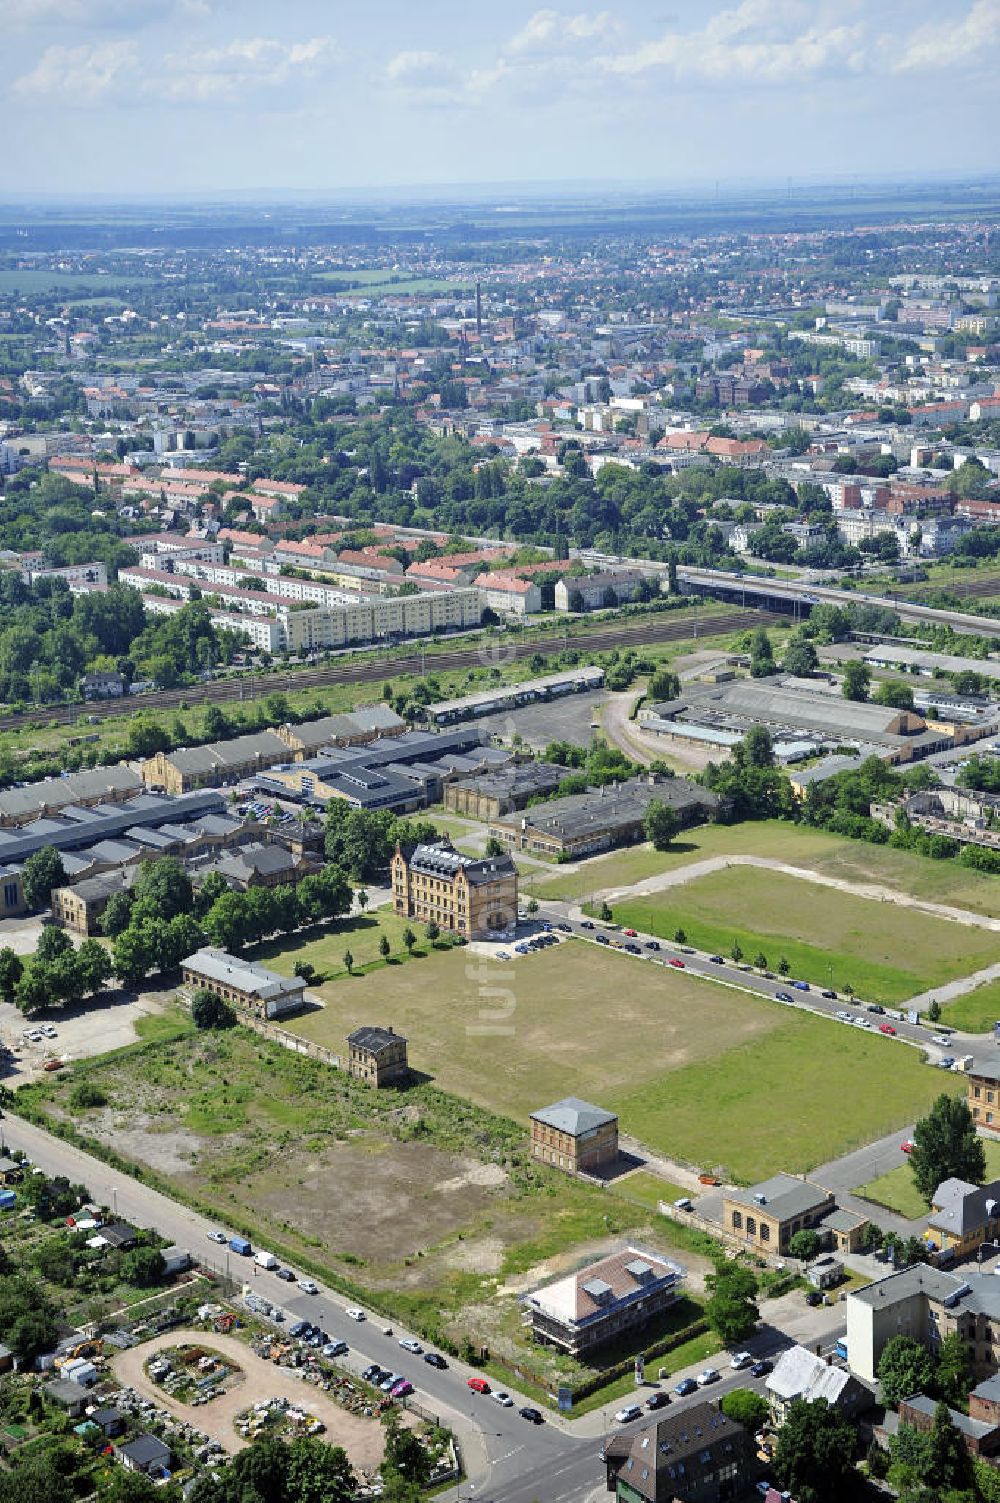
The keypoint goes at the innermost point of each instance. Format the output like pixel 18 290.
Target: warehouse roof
pixel 245 976
pixel 22 804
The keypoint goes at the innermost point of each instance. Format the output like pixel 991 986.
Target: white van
pixel 265 1260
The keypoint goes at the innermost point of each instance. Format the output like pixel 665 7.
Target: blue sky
pixel 164 96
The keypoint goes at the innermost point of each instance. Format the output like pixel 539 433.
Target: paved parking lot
pixel 568 719
pixel 80 1032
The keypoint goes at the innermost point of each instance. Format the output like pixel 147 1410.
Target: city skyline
pixel 201 96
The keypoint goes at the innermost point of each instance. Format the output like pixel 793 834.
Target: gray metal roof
pixel 573 1116
pixel 19 804
pixel 783 1196
pixel 245 975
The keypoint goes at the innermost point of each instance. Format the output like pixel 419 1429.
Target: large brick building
pixel 767 1216
pixel 377 1056
pixel 574 1135
pixel 463 895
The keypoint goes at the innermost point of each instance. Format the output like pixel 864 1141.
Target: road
pixel 507 1459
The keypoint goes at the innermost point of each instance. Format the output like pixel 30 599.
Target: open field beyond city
pixel 687 1063
pixel 852 861
pixel 826 935
pixel 976 1012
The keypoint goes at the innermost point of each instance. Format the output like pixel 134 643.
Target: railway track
pixel 376 669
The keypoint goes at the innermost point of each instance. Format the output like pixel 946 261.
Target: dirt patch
pixel 484 1176
pixel 168 1150
pixel 483 1255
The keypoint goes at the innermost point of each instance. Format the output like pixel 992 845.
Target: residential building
pixel 145 1454
pixel 573 1135
pixel 591 592
pixel 697 1456
pixel 927 1304
pixel 982 1093
pixel 766 1216
pixel 583 1311
pixel 980 1437
pixel 612 815
pixel 244 984
pixel 506 593
pixel 377 1056
pixel 963 1217
pixel 268 865
pixel 12 903
pixel 493 794
pixel 462 895
pixel 80 906
pixel 799 1374
pixel 102 685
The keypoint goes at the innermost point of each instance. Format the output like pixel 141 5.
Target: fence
pixel 291 1041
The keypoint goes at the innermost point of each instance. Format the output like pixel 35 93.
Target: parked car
pixel 335 1349
pixel 286 1275
pixel 686 1386
pixel 683 1204
pixel 829 993
pixel 710 1375
pixel 531 1414
pixel 584 924
pixel 355 1314
pixel 814 1297
pixel 801 986
pixel 564 928
pixel 630 933
pixel 658 1400
pixel 906 1146
pixel 761 1369
pixel 410 1344
pixel 652 944
pixel 478 1385
pixel 741 1360
pixel 502 1398
pixel 782 997
pixel 218 1237
pixel 886 1028
pixel 941 1038
pixel 307 1286
pixel 602 939
pixel 370 1371
pixel 389 1383
pixel 401 1389
pixel 675 962
pixel 628 1414
pixel 946 1062
pixel 875 1007
pixel 435 1359
pixel 716 960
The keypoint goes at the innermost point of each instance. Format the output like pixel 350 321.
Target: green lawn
pixel 832 855
pixel 976 1012
pixel 694 1069
pixel 324 948
pixel 897 1192
pixel 885 951
pixel 648 1189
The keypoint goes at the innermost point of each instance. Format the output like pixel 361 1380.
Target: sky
pixel 165 97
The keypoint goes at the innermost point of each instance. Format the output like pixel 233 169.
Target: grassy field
pixel 976 1012
pixel 324 948
pixel 897 1192
pixel 14 280
pixel 799 845
pixel 688 1064
pixel 885 951
pixel 385 283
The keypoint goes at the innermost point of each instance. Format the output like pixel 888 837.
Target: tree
pixel 606 915
pixel 761 654
pixel 949 1465
pixel 731 1308
pixel 404 1455
pixel 945 1146
pixel 857 681
pixel 663 685
pixel 134 955
pixel 384 947
pixel 905 1367
pixel 94 965
pixel 494 847
pixel 42 871
pixel 117 914
pixel 736 951
pixel 349 962
pixel 210 1011
pixel 814 1458
pixel 760 960
pixel 532 907
pixel 306 1470
pixel 432 930
pixel 143 1267
pixel 746 1407
pixel 162 889
pixel 784 965
pixel 800 656
pixel 361 898
pixel 661 824
pixel 409 940
pixel 319 1473
pixel 934 1011
pixel 954 1372
pixel 895 694
pixel 11 971
pixel 680 937
pixel 804 1244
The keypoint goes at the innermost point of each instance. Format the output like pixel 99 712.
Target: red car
pixel 674 961
pixel 478 1385
pixel 907 1146
pixel 631 933
pixel 886 1028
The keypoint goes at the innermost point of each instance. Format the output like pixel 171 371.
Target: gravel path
pixel 363 1439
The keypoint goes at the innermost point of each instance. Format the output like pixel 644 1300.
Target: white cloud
pixel 548 29
pixel 945 44
pixel 421 70
pixel 80 75
pixel 758 41
pixel 224 74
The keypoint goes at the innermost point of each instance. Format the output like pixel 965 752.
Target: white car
pixel 49 1031
pixel 629 1413
pixel 708 1376
pixel 503 1399
pixel 409 1344
pixel 740 1360
pixel 355 1315
pixel 34 1035
pixel 219 1237
pixel 941 1039
pixel 308 1287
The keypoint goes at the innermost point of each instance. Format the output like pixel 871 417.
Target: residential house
pixel 591 592
pixel 697 1455
pixel 573 1135
pixel 377 1056
pixel 583 1311
pixel 963 1217
pixel 927 1304
pixel 980 1437
pixel 145 1454
pixel 799 1374
pixel 982 1094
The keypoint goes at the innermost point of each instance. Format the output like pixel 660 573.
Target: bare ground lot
pixel 363 1439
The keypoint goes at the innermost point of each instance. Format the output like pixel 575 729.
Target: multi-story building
pixel 585 1310
pixel 500 792
pixel 377 1056
pixel 612 815
pixel 982 1093
pixel 215 763
pixel 927 1304
pixel 963 1217
pixel 462 895
pixel 575 1136
pixel 697 1456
